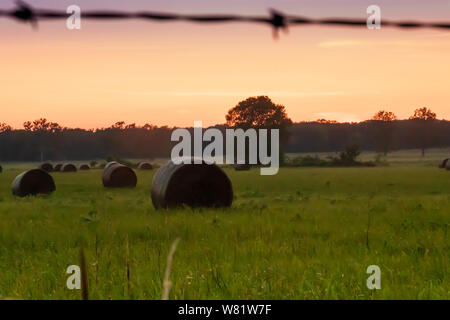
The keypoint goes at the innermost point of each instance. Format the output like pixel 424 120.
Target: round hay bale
pixel 117 175
pixel 57 167
pixel 33 182
pixel 46 167
pixel 69 167
pixel 194 185
pixel 1 169
pixel 443 164
pixel 447 165
pixel 85 167
pixel 101 166
pixel 110 164
pixel 242 167
pixel 145 166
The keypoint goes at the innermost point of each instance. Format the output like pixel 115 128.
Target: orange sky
pixel 178 73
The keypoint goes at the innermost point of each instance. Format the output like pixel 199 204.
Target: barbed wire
pixel 277 20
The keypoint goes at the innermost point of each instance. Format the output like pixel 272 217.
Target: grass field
pixel 306 233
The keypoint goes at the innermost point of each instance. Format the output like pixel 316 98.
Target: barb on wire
pixel 24 12
pixel 277 20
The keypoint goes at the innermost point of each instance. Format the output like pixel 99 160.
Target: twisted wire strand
pixel 276 19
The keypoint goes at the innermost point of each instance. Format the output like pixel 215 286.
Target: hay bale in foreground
pixel 46 167
pixel 194 185
pixel 119 176
pixel 85 167
pixel 145 166
pixel 33 182
pixel 69 167
pixel 57 167
pixel 242 167
pixel 443 164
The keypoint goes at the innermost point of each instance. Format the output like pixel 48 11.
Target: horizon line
pixel 136 126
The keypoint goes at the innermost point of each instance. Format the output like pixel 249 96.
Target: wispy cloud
pixel 232 93
pixel 367 43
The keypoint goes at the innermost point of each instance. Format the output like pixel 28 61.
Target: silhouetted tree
pixel 261 113
pixel 258 112
pixel 120 125
pixel 43 129
pixel 384 129
pixel 424 119
pixel 5 128
pixel 41 126
pixel 423 114
pixel 385 116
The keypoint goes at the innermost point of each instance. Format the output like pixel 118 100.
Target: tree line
pixel 383 133
pixel 42 140
pixel 369 135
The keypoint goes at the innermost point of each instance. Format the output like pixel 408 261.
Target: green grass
pixel 301 234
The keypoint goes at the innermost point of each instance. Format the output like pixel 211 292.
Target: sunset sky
pixel 175 73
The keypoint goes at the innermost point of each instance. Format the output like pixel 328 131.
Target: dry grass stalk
pixel 167 283
pixel 84 275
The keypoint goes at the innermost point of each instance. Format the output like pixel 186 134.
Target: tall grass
pixel 302 234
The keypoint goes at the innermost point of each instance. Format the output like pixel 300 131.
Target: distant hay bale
pixel 85 167
pixel 46 167
pixel 101 165
pixel 58 167
pixel 447 165
pixel 110 164
pixel 69 167
pixel 1 169
pixel 194 185
pixel 145 166
pixel 443 164
pixel 116 175
pixel 33 182
pixel 242 167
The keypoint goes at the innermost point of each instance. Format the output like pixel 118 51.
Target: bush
pixel 346 158
pixel 306 161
